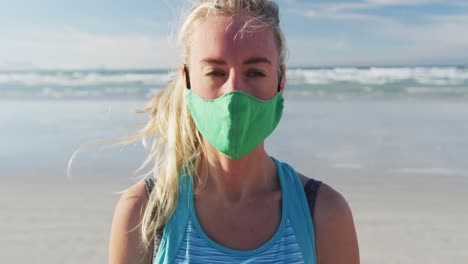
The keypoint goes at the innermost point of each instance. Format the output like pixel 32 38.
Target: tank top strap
pixel 298 210
pixel 175 227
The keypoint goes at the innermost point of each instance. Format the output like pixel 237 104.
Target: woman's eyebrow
pixel 213 61
pixel 256 60
pixel 253 60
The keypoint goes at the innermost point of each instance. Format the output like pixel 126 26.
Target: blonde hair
pixel 173 139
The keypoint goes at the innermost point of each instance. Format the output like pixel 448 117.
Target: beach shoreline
pixel 401 166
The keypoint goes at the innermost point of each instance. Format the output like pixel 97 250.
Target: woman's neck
pixel 236 180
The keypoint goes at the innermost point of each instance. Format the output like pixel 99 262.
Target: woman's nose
pixel 235 82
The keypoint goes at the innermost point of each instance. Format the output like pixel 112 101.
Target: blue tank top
pixel 184 241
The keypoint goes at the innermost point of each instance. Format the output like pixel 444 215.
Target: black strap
pixel 149 185
pixel 310 189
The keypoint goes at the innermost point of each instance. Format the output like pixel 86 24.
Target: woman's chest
pixel 242 228
pixel 196 248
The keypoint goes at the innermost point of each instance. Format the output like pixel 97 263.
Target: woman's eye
pixel 255 74
pixel 216 73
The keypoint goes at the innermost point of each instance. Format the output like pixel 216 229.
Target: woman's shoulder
pixel 130 207
pixel 333 226
pixel 134 198
pixel 329 200
pixel 125 238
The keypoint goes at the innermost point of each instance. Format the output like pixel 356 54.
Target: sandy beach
pixel 397 222
pixel 401 166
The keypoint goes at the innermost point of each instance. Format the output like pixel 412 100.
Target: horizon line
pixel 425 65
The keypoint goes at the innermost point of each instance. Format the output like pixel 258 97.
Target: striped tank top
pixel 192 245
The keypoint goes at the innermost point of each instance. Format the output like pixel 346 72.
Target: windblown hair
pixel 175 143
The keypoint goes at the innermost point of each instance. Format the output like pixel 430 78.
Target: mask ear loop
pixel 279 84
pixel 279 81
pixel 187 77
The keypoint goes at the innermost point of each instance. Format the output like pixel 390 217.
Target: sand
pixel 396 222
pixel 400 165
pixel 55 223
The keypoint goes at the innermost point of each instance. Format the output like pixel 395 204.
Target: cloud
pixel 440 40
pixel 453 19
pixel 354 10
pixel 400 2
pixel 328 51
pixel 382 39
pixel 337 12
pixel 444 32
pixel 71 48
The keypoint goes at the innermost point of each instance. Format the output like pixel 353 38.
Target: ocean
pixel 393 141
pixel 410 120
pixel 302 83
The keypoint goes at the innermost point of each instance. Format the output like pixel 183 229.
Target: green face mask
pixel 237 122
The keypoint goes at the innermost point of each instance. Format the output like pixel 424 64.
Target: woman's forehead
pixel 224 36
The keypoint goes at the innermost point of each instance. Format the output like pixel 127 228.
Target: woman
pixel 218 197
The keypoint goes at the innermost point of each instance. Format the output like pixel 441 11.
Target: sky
pixel 117 34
